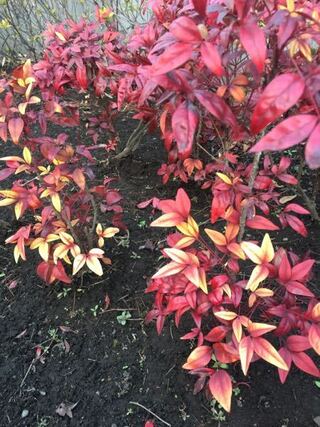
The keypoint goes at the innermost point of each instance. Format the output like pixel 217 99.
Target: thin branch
pixel 244 212
pixel 150 412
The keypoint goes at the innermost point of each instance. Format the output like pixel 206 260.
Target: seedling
pixel 123 318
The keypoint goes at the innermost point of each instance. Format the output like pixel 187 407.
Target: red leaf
pixel 294 207
pixel 216 106
pixel 184 125
pixel 312 152
pixel 298 343
pixel 200 6
pixel 4 131
pixel 173 57
pixel 217 334
pixel 4 173
pixel 79 178
pixel 15 127
pixel 297 225
pixel 185 30
pixel 261 223
pixel 253 40
pixel 281 94
pixel 305 363
pixel 211 57
pixel 220 386
pixel 286 356
pixel 243 7
pixel 297 288
pixel 300 271
pixel 290 132
pixel 81 76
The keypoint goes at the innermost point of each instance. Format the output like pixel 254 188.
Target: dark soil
pixel 102 365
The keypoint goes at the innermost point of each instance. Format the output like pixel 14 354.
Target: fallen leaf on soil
pixel 149 244
pixel 66 409
pixel 107 302
pixel 13 284
pixel 66 346
pixel 317 420
pixel 21 334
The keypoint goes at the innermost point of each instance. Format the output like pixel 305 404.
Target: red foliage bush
pixel 232 305
pixel 224 79
pixel 58 184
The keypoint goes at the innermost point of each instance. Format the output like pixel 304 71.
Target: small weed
pixel 134 255
pixel 142 223
pixel 95 310
pixel 123 241
pixel 64 293
pixel 43 422
pixel 123 318
pixel 317 383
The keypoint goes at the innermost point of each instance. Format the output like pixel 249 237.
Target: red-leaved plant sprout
pixel 57 185
pixel 238 294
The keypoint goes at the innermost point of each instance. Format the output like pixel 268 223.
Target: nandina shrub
pixel 57 185
pixel 236 294
pixel 225 78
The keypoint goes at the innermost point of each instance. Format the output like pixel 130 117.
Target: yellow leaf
pixel 27 155
pixel 55 198
pixel 78 263
pixel 18 209
pixel 224 178
pixel 94 265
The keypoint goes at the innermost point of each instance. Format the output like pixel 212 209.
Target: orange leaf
pixel 79 178
pixel 220 386
pixel 267 352
pixel 237 328
pixel 316 312
pixel 197 277
pixel 258 329
pixel 168 270
pixel 181 257
pixel 236 250
pixel 217 238
pixel 246 353
pixel 314 337
pixel 15 127
pixel 167 220
pixel 232 231
pixel 198 358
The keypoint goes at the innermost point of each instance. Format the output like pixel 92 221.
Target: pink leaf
pixel 290 132
pixel 184 124
pixel 216 106
pixel 312 152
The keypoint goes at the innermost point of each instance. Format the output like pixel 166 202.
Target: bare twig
pixel 244 211
pixel 150 412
